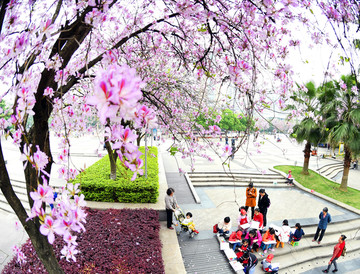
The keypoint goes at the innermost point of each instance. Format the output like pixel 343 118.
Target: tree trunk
pixel 307 152
pixel 112 158
pixel 43 249
pixel 347 162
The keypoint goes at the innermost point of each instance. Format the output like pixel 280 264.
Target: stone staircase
pixel 309 255
pixel 20 190
pixel 303 257
pixel 331 170
pixel 241 179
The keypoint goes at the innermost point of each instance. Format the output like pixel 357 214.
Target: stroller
pixel 180 217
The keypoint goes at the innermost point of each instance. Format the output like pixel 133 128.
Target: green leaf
pixel 173 151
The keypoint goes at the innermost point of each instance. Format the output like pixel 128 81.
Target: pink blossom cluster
pixel 20 256
pixel 66 217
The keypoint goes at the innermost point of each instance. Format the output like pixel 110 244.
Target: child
pixel 258 217
pixel 289 178
pixel 249 262
pixel 268 236
pixel 283 234
pixel 296 236
pixel 254 238
pixel 244 247
pixel 224 227
pixel 235 238
pixel 189 222
pixel 266 265
pixel 243 218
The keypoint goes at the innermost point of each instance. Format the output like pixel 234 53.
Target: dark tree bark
pixel 43 249
pixel 307 152
pixel 112 158
pixel 347 162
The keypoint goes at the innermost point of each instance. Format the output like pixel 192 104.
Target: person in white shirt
pixel 224 227
pixel 283 233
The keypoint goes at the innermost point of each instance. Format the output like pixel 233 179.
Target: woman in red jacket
pixel 338 249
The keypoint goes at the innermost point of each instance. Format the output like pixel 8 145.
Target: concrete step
pixel 19 184
pixel 321 263
pixel 238 184
pixel 314 252
pixel 23 197
pixel 6 207
pixel 332 234
pixel 333 172
pixel 238 180
pixel 329 166
pixel 236 175
pixel 19 189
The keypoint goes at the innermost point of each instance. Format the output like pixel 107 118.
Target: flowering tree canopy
pixel 135 64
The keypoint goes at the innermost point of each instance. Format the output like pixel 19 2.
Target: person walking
pixel 263 204
pixel 170 205
pixel 251 194
pixel 338 250
pixel 325 218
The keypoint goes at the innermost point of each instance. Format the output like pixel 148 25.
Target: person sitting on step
pixel 283 234
pixel 297 235
pixel 268 237
pixel 255 239
pixel 224 227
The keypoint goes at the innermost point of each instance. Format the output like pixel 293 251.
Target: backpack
pixel 269 202
pixel 343 253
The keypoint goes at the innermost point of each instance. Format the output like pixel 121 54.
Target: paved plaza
pixel 216 202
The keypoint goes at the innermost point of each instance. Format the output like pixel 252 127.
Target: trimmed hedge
pixel 96 185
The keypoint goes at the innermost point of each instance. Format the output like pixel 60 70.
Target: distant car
pixel 323 145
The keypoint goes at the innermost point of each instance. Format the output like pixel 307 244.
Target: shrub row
pixel 115 241
pixel 96 184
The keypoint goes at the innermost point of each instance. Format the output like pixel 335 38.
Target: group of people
pixel 246 240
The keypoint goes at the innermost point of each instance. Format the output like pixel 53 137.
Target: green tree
pixel 231 121
pixel 4 110
pixel 309 128
pixel 341 107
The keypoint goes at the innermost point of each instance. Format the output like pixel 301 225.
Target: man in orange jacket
pixel 338 249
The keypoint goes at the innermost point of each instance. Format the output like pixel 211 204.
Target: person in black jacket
pixel 263 203
pixel 249 262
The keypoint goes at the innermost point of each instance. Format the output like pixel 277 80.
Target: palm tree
pixel 342 112
pixel 309 128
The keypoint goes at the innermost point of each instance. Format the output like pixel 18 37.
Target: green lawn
pixel 324 186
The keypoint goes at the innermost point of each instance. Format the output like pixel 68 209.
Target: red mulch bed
pixel 115 241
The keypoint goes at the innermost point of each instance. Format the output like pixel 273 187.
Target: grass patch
pixel 324 186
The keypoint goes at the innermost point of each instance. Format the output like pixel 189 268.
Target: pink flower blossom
pixel 145 117
pixel 116 89
pixel 69 252
pixel 40 159
pixel 49 92
pixel 20 256
pixel 227 151
pixel 43 194
pixel 70 239
pixel 47 229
